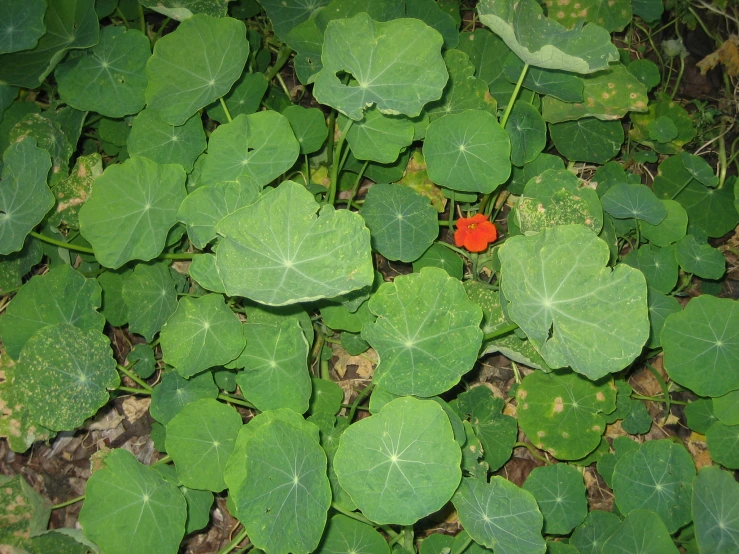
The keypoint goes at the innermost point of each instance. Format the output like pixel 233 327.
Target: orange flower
pixel 475 233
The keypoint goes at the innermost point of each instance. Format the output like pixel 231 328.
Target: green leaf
pixel 200 438
pixel 628 201
pixel 425 341
pixel 74 367
pixel 378 137
pixel 664 107
pixel 278 252
pixel 621 446
pixel 468 151
pixel 69 24
pixel 723 444
pixel 23 25
pixel 142 355
pixel 24 196
pixel 441 257
pixel 703 260
pixel 195 65
pixel 527 131
pixel 309 127
pixel 589 537
pixel 402 223
pixel 555 197
pixel 662 129
pixel 659 476
pixel 129 507
pixel 699 414
pixel 658 265
pixel 150 298
pixel 588 139
pixel 671 229
pixel 648 10
pixel 202 333
pixel 607 95
pixel 637 421
pixel 60 296
pixel 344 534
pixel 715 511
pixel 287 15
pixel 500 516
pixel 24 512
pixel 203 270
pixel 642 532
pixel 612 16
pixel 48 135
pixel 132 207
pixel 487 53
pixel 561 412
pixel 565 298
pixel 275 366
pixel 284 498
pixel 339 318
pixel 726 408
pixel 432 14
pixel 648 73
pixel 180 10
pixel 560 492
pixel 110 79
pixel 173 393
pixel 254 149
pixel 661 307
pixel 204 207
pixel 557 84
pixel 398 74
pixel 401 464
pixel 545 43
pixel 71 193
pixel 15 266
pixel 521 176
pixel 326 397
pixel 153 138
pixel 244 98
pixel 701 346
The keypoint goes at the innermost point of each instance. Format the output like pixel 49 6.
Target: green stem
pixel 161 30
pixel 459 251
pixel 682 188
pixel 325 372
pixel 657 399
pixel 451 209
pixel 335 166
pixel 461 548
pixel 123 17
pixel 654 49
pixel 362 519
pixel 282 56
pixel 163 460
pixel 723 163
pixel 330 145
pixel 225 109
pixel 234 543
pixel 307 171
pixel 235 400
pixel 500 332
pixel 133 390
pixel 355 188
pixel 361 396
pixel 142 20
pixel 135 378
pixel 11 290
pixel 638 235
pixel 475 273
pixel 68 502
pixel 531 450
pixel 663 386
pixel 514 94
pixel 61 244
pixel 679 77
pixel 408 536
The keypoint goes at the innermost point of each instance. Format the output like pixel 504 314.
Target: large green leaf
pixel 562 412
pixel 566 299
pixel 153 138
pixel 701 345
pixel 277 251
pixel 398 74
pixel 252 148
pixel 501 516
pixel 487 52
pixel 378 137
pixel 642 532
pixel 132 207
pixel 201 334
pixel 589 537
pixel 658 265
pixel 24 196
pixel 587 139
pixel 62 295
pixel 309 127
pixel 287 15
pixel 182 9
pixel 542 42
pixel 702 260
pixel 431 13
pixel 69 24
pixel 715 511
pixel 73 367
pixel 195 65
pixel 400 464
pixel 633 201
pixel 344 534
pixel 560 493
pixel 468 151
pixel 173 393
pixel 150 297
pixel 427 333
pixel 200 438
pixel 22 26
pixel 130 508
pixel 110 79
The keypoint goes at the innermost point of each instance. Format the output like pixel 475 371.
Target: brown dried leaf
pixel 727 54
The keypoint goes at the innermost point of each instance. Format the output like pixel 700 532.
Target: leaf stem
pixel 282 56
pixel 500 332
pixel 657 399
pixel 133 390
pixel 226 110
pixel 361 396
pixel 512 100
pixel 135 378
pixel 335 166
pixel 236 400
pixel 68 503
pixel 356 185
pixel 682 188
pixel 408 536
pixel 234 542
pixel 455 249
pixel 531 450
pixel 663 386
pixel 163 460
pixel 142 20
pixel 61 244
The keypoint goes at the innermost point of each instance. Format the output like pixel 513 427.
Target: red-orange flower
pixel 475 233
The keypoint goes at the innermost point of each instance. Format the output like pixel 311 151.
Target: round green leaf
pixel 153 138
pixel 521 176
pixel 245 98
pixel 606 465
pixel 22 26
pixel 24 196
pixel 699 414
pixel 500 516
pixel 723 444
pixel 402 223
pixel 74 367
pixel 400 464
pixel 658 265
pixel 173 393
pixel 588 139
pixel 425 340
pixel 542 42
pixel 637 421
pixel 566 299
pixel 60 296
pixel 200 438
pixel 562 412
pixel 662 129
pixel 648 73
pixel 309 127
pixel 660 307
pixel 344 534
pixel 204 207
pixel 671 229
pixel 284 498
pixel 632 201
pixel 715 511
pixel 150 297
pixel 468 151
pixel 142 355
pixel 252 148
pixel 659 476
pixel 487 53
pixel 441 257
pixel 589 537
pixel 202 333
pixel 287 15
pixel 726 408
pixel 399 73
pixel 378 137
pixel 642 532
pixel 195 65
pixel 203 271
pixel 701 345
pixel 131 508
pixel 132 207
pixel 560 493
pixel 527 131
pixel 278 252
pixel 703 260
pixel 110 79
